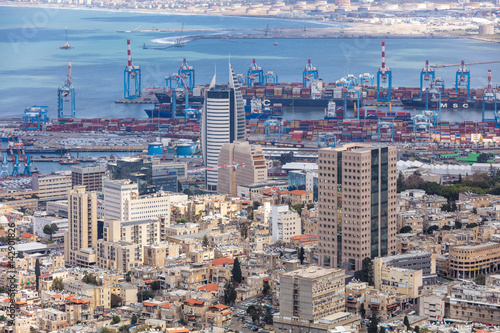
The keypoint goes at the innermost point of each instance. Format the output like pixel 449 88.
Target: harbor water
pixel 34 66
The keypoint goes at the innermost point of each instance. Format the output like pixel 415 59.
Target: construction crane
pixel 310 73
pixel 66 91
pixel 234 167
pixel 384 81
pixel 131 78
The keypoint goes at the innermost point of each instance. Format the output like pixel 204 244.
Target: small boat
pixel 66 45
pixel 275 44
pixel 68 160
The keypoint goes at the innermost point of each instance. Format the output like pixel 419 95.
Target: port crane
pixel 131 78
pixel 427 75
pixel 310 73
pixel 384 81
pixel 467 64
pixel 35 115
pixel 4 170
pixel 178 87
pixel 421 122
pixel 383 125
pixel 66 96
pixel 273 129
pixel 187 73
pixel 490 96
pixel 463 79
pixel 271 77
pixel 327 140
pixel 433 93
pixel 255 74
pixel 367 79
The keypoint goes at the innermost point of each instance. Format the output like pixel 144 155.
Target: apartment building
pixel 312 293
pixel 357 195
pixel 479 304
pixel 88 176
pixel 52 187
pixel 81 237
pixel 285 223
pixel 253 168
pixel 469 261
pixel 397 280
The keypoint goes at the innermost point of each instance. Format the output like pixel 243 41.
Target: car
pixel 255 329
pixel 245 325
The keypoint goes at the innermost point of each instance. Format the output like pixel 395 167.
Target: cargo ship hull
pixel 472 105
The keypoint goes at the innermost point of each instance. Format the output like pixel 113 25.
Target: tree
pixel 124 328
pixel 37 273
pixel 406 229
pixel 244 227
pixel 128 276
pixel 188 192
pixel 144 295
pixel 229 293
pixel 155 285
pixel 373 327
pixel 268 316
pixel 182 221
pixel 255 312
pixel 236 272
pixel 432 228
pixel 406 322
pixel 206 242
pixel 133 319
pixel 50 229
pixel 57 284
pixel 367 271
pixel 256 205
pixel 115 320
pixel 446 227
pixel 382 330
pixel 474 210
pixel 417 329
pixel 471 225
pixel 286 158
pixel 266 289
pixel 116 301
pixel 458 225
pixel 89 278
pixel 298 208
pixel 480 279
pixel 104 330
pixel 400 185
pixel 482 158
pixel 301 255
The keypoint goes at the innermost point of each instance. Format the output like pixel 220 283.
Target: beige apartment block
pixel 312 293
pixel 156 255
pixel 241 152
pixel 52 187
pixel 474 303
pixel 89 176
pixel 81 237
pixel 470 261
pixel 397 280
pixel 285 223
pixel 100 295
pixel 357 201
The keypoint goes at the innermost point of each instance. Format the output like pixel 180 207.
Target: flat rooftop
pixel 312 272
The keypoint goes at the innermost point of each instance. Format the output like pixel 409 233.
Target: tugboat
pixel 68 160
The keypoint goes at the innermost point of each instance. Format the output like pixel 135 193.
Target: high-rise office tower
pixel 357 204
pixel 81 237
pixel 90 176
pixel 223 120
pixel 253 168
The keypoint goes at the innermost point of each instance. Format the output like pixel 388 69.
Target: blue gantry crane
pixel 384 81
pixel 4 170
pixel 385 124
pixel 271 77
pixel 17 164
pixel 255 74
pixel 131 78
pixel 33 116
pixel 434 94
pixel 422 124
pixel 273 128
pixel 178 87
pixel 27 167
pixel 327 140
pixel 187 73
pixel 426 78
pixel 310 73
pixel 367 79
pixel 66 96
pixel 490 97
pixel 462 79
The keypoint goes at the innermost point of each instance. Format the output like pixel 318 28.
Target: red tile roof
pixel 193 302
pixel 222 261
pixel 298 192
pixel 27 235
pixel 209 287
pixel 305 238
pixel 148 304
pixel 166 306
pixel 220 306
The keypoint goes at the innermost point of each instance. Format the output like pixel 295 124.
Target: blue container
pixel 185 150
pixel 155 148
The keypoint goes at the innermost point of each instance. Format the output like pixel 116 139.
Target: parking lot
pixel 243 322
